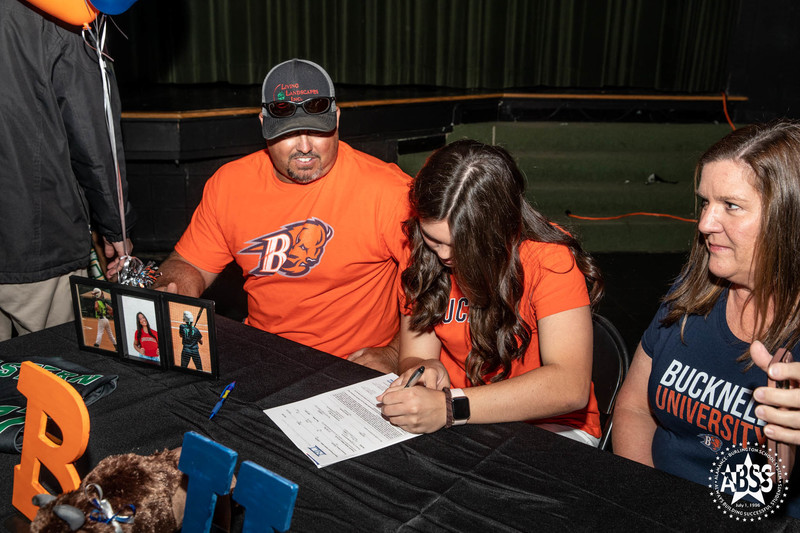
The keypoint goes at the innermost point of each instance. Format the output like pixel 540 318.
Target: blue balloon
pixel 112 7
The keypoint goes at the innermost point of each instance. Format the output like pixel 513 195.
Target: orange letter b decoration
pixel 48 395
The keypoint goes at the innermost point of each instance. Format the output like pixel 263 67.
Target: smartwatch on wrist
pixel 460 404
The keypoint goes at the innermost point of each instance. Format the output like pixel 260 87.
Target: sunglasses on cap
pixel 312 106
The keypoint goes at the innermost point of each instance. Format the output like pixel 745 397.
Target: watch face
pixel 460 408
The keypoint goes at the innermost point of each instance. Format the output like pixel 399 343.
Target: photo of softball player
pixel 192 344
pixel 95 309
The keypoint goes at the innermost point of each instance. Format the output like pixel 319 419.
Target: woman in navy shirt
pixel 697 381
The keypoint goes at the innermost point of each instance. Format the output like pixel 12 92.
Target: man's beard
pixel 305 176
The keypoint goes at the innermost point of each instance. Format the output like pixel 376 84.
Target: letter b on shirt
pixel 275 253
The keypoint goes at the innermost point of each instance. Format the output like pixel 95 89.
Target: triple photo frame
pixel 146 327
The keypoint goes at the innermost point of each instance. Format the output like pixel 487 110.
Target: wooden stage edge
pixel 235 111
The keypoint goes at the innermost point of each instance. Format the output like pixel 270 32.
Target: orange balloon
pixel 76 12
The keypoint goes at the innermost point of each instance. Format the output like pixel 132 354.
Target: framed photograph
pixel 191 336
pixel 95 323
pixel 139 319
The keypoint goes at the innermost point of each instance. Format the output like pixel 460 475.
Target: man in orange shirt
pixel 315 225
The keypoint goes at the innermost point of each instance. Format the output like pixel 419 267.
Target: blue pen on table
pixel 222 397
pixel 415 377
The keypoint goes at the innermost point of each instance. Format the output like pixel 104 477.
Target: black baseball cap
pixel 296 81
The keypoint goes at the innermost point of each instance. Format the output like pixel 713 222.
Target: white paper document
pixel 339 424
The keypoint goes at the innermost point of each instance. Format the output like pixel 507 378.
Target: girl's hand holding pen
pixel 417 409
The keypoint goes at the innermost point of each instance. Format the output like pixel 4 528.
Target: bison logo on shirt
pixel 712 442
pixel 293 250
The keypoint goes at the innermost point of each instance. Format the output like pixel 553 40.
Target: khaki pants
pixel 31 307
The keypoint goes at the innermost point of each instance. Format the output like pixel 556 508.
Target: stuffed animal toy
pixel 123 494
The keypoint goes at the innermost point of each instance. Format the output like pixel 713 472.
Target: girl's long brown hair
pixel 139 326
pixel 479 190
pixel 772 154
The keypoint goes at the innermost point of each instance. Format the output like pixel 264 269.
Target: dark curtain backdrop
pixel 664 45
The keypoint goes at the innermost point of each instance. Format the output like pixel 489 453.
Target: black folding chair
pixel 611 362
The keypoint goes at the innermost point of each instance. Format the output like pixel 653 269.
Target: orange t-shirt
pixel 553 283
pixel 319 260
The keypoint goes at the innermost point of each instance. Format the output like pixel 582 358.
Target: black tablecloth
pixel 497 477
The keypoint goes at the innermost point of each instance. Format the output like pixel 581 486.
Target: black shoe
pixel 96 345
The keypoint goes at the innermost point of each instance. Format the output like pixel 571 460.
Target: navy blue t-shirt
pixel 701 396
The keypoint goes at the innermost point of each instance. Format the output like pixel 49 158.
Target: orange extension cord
pixel 725 110
pixel 730 123
pixel 642 213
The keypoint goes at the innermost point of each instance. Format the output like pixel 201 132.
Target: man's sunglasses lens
pixel 314 106
pixel 281 109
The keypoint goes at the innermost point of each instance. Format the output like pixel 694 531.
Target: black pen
pixel 415 377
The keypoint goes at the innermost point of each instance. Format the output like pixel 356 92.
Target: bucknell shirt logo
pixel 291 251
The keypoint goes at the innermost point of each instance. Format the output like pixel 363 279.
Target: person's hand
pixel 114 251
pixel 419 408
pixel 178 276
pixel 416 409
pixel 780 408
pixel 380 358
pixel 170 287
